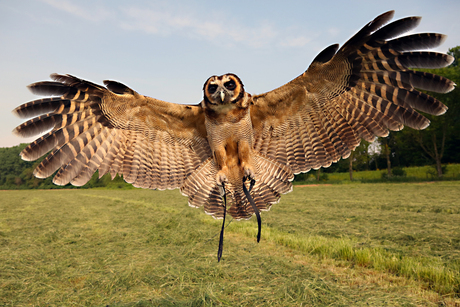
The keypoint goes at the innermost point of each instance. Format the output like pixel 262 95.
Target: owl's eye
pixel 230 85
pixel 212 88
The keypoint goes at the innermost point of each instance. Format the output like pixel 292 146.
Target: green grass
pixel 340 245
pixel 414 173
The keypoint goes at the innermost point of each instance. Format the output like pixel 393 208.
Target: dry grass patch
pixel 148 248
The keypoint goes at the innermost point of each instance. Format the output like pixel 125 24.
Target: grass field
pixel 414 173
pixel 335 245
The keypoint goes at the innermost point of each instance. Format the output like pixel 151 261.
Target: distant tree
pixel 374 151
pixel 387 153
pixel 362 157
pixel 359 158
pixel 12 166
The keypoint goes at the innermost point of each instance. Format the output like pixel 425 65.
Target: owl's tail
pixel 272 180
pixel 245 197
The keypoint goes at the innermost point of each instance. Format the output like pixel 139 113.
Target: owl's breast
pixel 232 127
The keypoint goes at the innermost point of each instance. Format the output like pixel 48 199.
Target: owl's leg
pixel 244 154
pixel 221 239
pixel 220 156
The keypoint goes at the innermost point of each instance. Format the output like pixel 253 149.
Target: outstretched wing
pixel 152 143
pixel 359 91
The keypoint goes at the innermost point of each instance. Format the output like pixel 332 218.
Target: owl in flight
pixel 235 152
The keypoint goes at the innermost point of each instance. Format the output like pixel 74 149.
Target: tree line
pixel 436 145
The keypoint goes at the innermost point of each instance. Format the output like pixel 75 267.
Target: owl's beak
pixel 222 96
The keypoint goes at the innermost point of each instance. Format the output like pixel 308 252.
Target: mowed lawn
pixel 328 245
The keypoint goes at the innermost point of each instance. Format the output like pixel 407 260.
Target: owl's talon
pixel 252 182
pixel 249 173
pixel 221 179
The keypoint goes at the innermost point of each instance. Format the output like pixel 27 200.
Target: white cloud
pixel 213 27
pixel 88 13
pixel 296 41
pixel 333 31
pixel 218 30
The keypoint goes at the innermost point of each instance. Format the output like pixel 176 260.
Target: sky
pixel 167 49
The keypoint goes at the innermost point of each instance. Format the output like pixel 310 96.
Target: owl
pixel 234 152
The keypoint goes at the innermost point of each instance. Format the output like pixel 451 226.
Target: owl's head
pixel 224 91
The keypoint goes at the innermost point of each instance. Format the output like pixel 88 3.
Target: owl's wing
pixel 152 143
pixel 359 91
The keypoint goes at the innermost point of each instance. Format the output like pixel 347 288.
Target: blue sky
pixel 167 49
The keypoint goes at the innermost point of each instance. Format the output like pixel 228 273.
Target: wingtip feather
pixel 449 59
pixel 16 112
pixel 443 110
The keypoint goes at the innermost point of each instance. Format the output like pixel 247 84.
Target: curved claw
pixel 249 172
pixel 251 184
pixel 221 178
